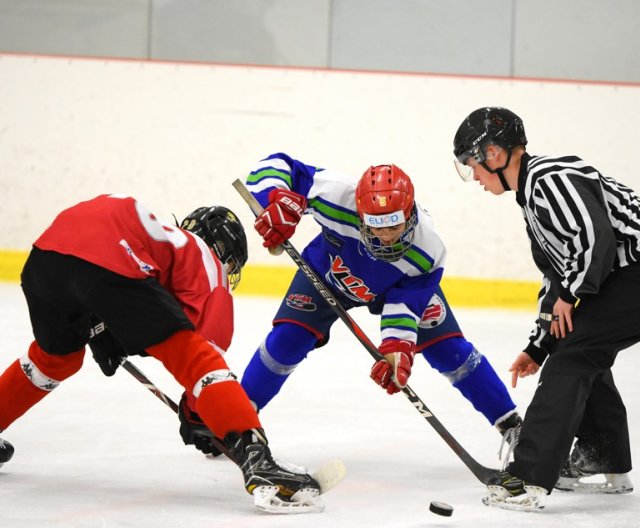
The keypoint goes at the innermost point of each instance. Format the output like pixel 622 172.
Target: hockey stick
pixel 482 473
pixel 140 376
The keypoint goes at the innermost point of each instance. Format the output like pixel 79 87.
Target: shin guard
pixel 286 346
pixel 200 368
pixel 225 408
pixel 472 374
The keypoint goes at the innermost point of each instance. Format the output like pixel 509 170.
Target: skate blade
pixel 307 500
pixel 532 501
pixel 577 485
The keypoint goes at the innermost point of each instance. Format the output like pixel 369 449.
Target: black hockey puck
pixel 441 508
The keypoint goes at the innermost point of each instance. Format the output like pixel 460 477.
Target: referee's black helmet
pixel 491 125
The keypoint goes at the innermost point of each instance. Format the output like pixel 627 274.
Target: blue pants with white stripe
pixel 303 323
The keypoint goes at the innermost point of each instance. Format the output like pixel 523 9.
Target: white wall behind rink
pixel 176 135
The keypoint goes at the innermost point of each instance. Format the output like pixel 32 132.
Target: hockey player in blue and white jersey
pixel 376 248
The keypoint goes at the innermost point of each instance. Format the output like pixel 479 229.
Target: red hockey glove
pixel 277 223
pixel 392 372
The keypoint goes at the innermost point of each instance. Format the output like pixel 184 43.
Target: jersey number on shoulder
pixel 159 231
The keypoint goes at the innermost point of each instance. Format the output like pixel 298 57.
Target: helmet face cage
pixel 395 251
pixel 385 198
pixel 222 231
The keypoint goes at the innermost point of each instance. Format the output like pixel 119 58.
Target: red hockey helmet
pixel 384 189
pixel 385 198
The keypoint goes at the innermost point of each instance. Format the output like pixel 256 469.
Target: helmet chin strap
pixel 499 171
pixel 503 180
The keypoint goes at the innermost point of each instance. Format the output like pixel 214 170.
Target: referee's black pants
pixel 576 393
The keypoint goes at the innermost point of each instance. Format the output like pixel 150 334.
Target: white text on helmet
pixel 479 138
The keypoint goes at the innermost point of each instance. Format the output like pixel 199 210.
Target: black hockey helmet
pixel 222 231
pixel 490 125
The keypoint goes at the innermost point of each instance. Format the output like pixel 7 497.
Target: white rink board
pixel 176 135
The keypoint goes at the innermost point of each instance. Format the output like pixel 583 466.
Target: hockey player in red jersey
pixel 157 289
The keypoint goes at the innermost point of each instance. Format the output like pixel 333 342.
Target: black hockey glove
pixel 106 349
pixel 194 431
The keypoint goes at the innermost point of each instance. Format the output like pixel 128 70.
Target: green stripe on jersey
pixel 418 260
pixel 270 173
pixel 404 322
pixel 334 213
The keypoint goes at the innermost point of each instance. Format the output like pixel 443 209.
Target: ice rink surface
pixel 104 452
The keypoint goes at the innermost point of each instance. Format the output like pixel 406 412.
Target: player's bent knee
pixel 455 358
pixel 48 370
pixel 189 357
pixel 289 343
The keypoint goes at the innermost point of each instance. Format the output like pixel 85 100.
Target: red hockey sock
pixel 188 357
pixel 31 378
pixel 56 367
pixel 226 408
pixel 201 370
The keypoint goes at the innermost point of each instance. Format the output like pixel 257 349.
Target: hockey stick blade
pixel 330 475
pixel 306 500
pixel 482 473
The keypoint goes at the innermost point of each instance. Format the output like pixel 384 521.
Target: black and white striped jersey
pixel 581 223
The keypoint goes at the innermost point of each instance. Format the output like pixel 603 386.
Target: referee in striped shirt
pixel 584 229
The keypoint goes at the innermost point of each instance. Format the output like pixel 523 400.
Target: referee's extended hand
pixel 523 366
pixel 562 319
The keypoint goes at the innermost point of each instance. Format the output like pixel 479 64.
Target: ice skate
pixel 583 474
pixel 6 451
pixel 511 493
pixel 509 428
pixel 276 488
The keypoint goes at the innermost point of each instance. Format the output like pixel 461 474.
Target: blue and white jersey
pixel 400 291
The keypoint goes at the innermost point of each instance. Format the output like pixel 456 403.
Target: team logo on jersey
pixel 335 241
pixel 353 287
pixel 298 301
pixel 434 314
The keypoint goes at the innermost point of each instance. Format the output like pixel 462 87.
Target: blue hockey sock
pixel 472 374
pixel 486 392
pixel 277 357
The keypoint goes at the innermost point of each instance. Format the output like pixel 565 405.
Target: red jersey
pixel 120 234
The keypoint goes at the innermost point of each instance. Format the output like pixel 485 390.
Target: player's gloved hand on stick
pixel 107 351
pixel 277 223
pixel 194 431
pixel 392 372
